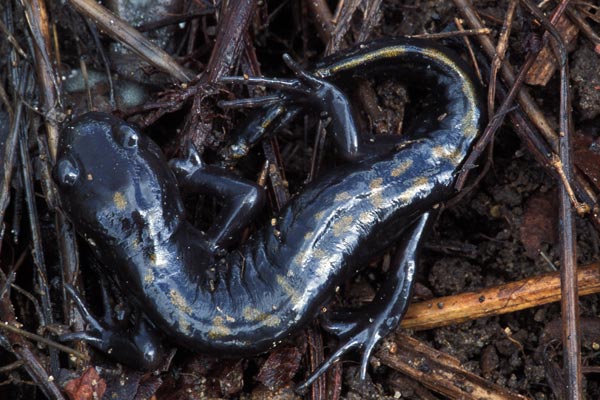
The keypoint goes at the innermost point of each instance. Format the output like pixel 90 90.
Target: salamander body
pixel 208 295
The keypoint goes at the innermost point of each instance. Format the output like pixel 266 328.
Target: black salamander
pixel 208 295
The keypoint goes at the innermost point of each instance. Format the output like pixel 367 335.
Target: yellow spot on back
pixel 253 314
pixel 178 301
pixel 377 200
pixel 149 277
pixel 288 289
pixel 229 318
pixel 401 168
pixel 184 325
pixel 299 258
pixel 453 155
pixel 219 329
pixel 319 253
pixel 376 183
pixel 417 185
pixel 319 215
pixel 421 181
pixel 342 196
pixel 342 225
pixel 119 200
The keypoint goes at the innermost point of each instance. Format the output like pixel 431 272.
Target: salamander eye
pixel 66 172
pixel 128 137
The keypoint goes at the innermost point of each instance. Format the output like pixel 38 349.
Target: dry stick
pixel 230 40
pixel 371 17
pixel 496 300
pixel 440 372
pixel 585 28
pixel 10 147
pixel 322 18
pixel 529 135
pixel 345 10
pixel 229 43
pixel 10 37
pixel 314 340
pixel 41 276
pixel 525 100
pixel 498 118
pixel 21 348
pixel 568 271
pixel 37 18
pixel 47 85
pixel 499 54
pixel 467 43
pixel 121 31
pixel 573 368
pixel 535 115
pixel 444 35
pixel 40 339
pixel 531 109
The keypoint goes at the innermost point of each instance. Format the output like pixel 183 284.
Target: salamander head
pixel 114 183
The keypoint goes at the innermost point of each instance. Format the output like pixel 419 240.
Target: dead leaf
pixel 538 224
pixel 90 386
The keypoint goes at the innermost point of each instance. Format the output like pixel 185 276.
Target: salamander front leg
pixel 243 200
pixel 364 327
pixel 138 346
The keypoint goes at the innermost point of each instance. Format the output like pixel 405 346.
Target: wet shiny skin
pixel 122 197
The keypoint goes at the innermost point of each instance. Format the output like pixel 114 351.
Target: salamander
pixel 208 293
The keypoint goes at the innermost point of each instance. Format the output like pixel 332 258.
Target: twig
pixel 22 348
pixel 11 39
pixel 582 24
pixel 121 31
pixel 232 28
pixel 37 18
pixel 322 16
pixel 10 146
pixel 525 99
pixel 499 54
pixel 496 300
pixel 568 271
pixel 50 343
pixel 460 27
pixel 533 111
pixel 440 372
pixel 444 35
pixel 229 43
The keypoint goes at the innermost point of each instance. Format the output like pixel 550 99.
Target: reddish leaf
pixel 87 387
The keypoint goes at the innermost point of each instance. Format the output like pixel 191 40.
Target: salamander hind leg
pixel 304 92
pixel 363 328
